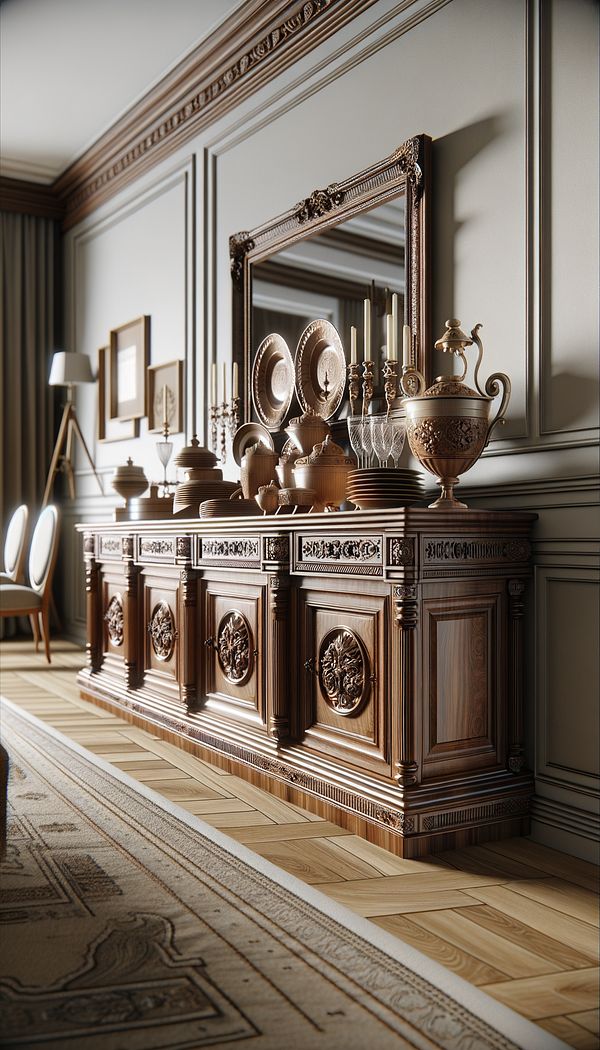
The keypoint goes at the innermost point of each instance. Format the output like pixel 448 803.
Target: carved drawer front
pixel 463 674
pixel 113 620
pixel 161 630
pixel 233 646
pixel 345 678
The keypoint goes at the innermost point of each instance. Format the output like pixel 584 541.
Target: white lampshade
pixel 70 368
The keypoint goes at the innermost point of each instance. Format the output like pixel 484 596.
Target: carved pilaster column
pixel 278 657
pixel 516 611
pixel 131 616
pixel 406 616
pixel 188 676
pixel 93 645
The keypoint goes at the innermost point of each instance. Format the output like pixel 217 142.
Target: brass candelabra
pixel 367 386
pixel 353 386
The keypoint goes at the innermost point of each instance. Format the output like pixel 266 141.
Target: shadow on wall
pixel 570 399
pixel 452 153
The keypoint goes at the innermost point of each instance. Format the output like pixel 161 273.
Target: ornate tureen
pixel 448 425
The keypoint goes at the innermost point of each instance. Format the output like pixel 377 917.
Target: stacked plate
pixel 379 487
pixel 229 508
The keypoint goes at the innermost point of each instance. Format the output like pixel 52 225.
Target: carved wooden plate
pixel 272 381
pixel 248 434
pixel 320 368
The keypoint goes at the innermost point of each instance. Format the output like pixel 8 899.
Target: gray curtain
pixel 28 318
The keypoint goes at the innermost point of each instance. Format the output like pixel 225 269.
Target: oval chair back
pixel 43 550
pixel 14 545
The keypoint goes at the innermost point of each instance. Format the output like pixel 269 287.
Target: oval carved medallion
pixel 235 647
pixel 344 671
pixel 114 619
pixel 162 631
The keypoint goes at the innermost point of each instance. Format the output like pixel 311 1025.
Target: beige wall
pixel 499 87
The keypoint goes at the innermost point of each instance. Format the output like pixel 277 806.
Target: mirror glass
pixel 328 275
pixel 363 238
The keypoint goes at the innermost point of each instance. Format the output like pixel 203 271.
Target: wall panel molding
pixel 183 173
pixel 567 663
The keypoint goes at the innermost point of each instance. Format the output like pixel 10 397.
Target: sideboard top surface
pixel 404 519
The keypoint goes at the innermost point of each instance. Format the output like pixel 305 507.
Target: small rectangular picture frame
pixel 111 429
pixel 129 354
pixel 167 376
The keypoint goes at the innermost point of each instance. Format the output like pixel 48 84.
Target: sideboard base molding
pixel 409 823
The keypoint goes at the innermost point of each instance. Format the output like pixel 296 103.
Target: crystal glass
pixel 355 425
pixel 164 451
pixel 366 439
pixel 381 437
pixel 398 436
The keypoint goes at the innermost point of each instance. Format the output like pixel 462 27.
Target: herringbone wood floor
pixel 515 918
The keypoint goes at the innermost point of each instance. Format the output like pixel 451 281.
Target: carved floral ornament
pixel 162 631
pixel 344 671
pixel 407 157
pixel 234 647
pixel 341 549
pixel 114 620
pixel 319 203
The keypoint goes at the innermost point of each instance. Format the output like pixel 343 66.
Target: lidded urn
pixel 325 471
pixel 448 425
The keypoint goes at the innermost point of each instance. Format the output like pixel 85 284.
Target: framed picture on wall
pixel 129 351
pixel 165 396
pixel 111 429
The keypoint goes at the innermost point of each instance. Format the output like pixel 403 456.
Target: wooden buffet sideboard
pixel 367 666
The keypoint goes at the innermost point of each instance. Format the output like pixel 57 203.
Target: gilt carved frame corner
pixel 407 168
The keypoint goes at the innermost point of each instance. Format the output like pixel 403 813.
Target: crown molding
pixel 29 198
pixel 257 42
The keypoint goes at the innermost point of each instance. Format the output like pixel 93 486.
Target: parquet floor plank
pixel 572 1034
pixel 460 962
pixel 512 959
pixel 516 932
pixel 589 1019
pixel 552 995
pixel 556 893
pixel 578 935
pixel 562 865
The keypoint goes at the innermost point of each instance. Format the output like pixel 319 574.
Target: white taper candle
pixel 353 352
pixel 367 336
pixel 406 346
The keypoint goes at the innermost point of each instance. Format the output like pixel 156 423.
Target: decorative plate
pixel 272 381
pixel 249 434
pixel 320 368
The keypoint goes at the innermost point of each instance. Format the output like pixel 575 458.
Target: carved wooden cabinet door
pixel 233 648
pixel 161 629
pixel 112 600
pixel 464 677
pixel 344 668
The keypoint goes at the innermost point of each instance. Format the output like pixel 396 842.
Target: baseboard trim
pixel 566 828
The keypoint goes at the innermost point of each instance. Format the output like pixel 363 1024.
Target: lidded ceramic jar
pixel 203 479
pixel 258 468
pixel 325 471
pixel 306 430
pixel 448 425
pixel 129 481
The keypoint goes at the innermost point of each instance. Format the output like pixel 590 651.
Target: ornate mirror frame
pixel 407 170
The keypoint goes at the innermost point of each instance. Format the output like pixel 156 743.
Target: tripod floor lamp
pixel 68 369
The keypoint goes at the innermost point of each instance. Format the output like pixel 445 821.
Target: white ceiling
pixel 70 68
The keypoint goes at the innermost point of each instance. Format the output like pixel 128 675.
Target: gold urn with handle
pixel 448 425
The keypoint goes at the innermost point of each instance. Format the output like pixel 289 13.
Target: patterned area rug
pixel 130 924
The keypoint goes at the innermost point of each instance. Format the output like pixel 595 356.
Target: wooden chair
pixel 34 601
pixel 14 546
